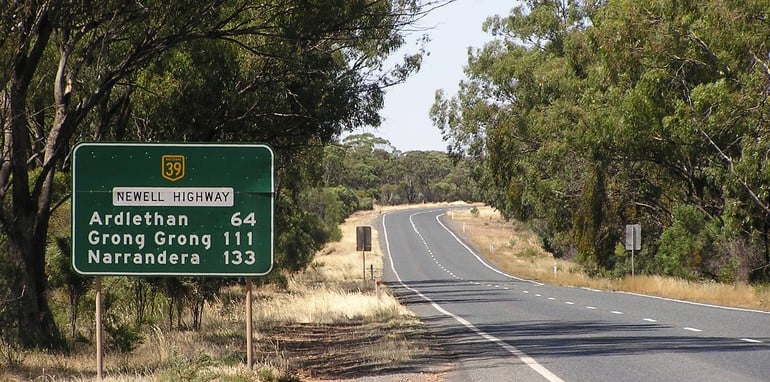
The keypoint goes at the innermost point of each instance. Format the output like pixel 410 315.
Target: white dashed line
pixel 493 269
pixel 514 351
pixel 523 357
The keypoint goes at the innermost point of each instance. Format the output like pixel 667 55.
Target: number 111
pixel 237 238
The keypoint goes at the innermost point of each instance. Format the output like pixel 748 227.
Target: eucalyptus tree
pixel 518 115
pixel 296 72
pixel 586 115
pixel 690 80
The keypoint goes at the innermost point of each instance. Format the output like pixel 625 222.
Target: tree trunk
pixel 35 323
pixel 24 213
pixel 73 311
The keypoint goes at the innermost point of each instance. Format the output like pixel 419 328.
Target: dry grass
pixel 164 356
pixel 312 328
pixel 329 323
pixel 516 250
pixel 740 295
pixel 325 305
pixel 339 262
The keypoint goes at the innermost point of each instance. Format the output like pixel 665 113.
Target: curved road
pixel 497 327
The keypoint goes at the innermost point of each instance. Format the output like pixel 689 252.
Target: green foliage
pixel 685 244
pixel 269 375
pixel 300 234
pixel 623 261
pixel 331 205
pixel 365 203
pixel 182 97
pixel 123 337
pixel 585 115
pixel 10 346
pixel 188 369
pixel 729 273
pixel 292 73
pixel 378 173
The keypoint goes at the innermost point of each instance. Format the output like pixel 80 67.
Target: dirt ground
pixel 358 352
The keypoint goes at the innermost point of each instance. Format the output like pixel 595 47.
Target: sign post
pixel 249 326
pixel 99 341
pixel 633 241
pixel 364 243
pixel 143 209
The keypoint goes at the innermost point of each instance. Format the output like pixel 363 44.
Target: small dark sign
pixel 363 238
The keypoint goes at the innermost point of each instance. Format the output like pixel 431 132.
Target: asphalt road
pixel 496 327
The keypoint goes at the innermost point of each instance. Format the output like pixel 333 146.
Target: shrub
pixel 123 337
pixel 685 244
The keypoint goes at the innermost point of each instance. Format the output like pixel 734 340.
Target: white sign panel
pixel 633 237
pixel 173 196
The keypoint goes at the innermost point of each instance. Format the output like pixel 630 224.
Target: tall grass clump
pixel 322 305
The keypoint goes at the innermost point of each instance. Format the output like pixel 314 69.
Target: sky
pixel 454 28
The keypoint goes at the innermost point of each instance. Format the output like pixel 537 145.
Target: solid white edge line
pixel 474 253
pixel 596 290
pixel 696 303
pixel 527 360
pixel 751 340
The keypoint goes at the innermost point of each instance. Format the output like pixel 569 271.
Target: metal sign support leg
pixel 99 350
pixel 634 239
pixel 249 326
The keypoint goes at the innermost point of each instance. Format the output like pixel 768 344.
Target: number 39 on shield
pixel 172 167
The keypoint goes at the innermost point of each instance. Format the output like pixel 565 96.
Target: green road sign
pixel 172 209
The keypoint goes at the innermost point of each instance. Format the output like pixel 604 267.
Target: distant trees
pixel 378 173
pixel 586 115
